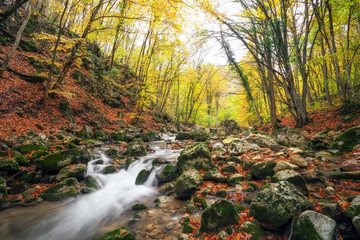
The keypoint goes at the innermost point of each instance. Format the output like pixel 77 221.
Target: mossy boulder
pixel 291 137
pixel 65 189
pixel 252 228
pixel 35 146
pixel 219 215
pixel 234 179
pixel 142 176
pixel 167 174
pixel 214 175
pixel 91 182
pixel 117 136
pixel 354 208
pixel 150 136
pixel 9 166
pixel 262 140
pixel 136 148
pixel 346 141
pixel 118 234
pixel 101 135
pixel 229 168
pixel 196 156
pixel 110 169
pixel 139 207
pixel 345 176
pixel 3 190
pixel 77 171
pixel 187 184
pixel 292 177
pixel 314 226
pixel 200 136
pixel 112 152
pixel 239 146
pixel 276 205
pixel 183 136
pixel 262 170
pixel 21 160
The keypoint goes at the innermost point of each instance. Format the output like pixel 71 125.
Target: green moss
pixel 28 148
pixel 117 137
pixel 112 152
pixel 101 135
pixel 167 174
pixel 64 107
pixel 200 136
pixel 67 188
pixel 221 193
pixel 250 189
pixel 304 229
pixel 118 234
pixel 187 228
pixel 50 162
pixel 347 140
pixel 9 166
pixel 254 185
pixel 2 41
pixel 38 65
pixel 139 207
pixel 142 177
pixel 252 228
pixel 91 182
pixel 29 46
pixel 20 159
pixel 71 145
pixel 239 207
pixel 345 176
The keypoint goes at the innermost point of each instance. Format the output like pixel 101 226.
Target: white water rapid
pixel 81 218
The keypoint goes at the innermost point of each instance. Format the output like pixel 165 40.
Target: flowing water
pixel 85 216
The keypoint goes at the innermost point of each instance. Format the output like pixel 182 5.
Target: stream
pixel 106 209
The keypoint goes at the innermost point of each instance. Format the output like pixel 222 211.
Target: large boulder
pixel 240 146
pixel 219 215
pixel 3 190
pixel 167 174
pixel 196 156
pixel 136 148
pixel 276 205
pixel 229 127
pixel 292 177
pixel 214 175
pixel 261 140
pixel 142 177
pixel 291 137
pixel 187 184
pixel 314 226
pixel 118 234
pixel 351 165
pixel 65 189
pixel 356 223
pixel 346 141
pixel 299 161
pixel 32 142
pixel 262 170
pixel 9 166
pixel 77 171
pixel 354 208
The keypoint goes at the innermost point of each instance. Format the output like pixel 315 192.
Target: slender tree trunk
pixel 12 9
pixel 325 72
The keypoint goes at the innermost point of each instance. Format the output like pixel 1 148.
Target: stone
pixel 239 146
pixel 291 137
pixel 219 215
pixel 346 141
pixel 187 184
pixel 292 177
pixel 229 168
pixel 262 170
pixel 313 225
pixel 167 174
pixel 86 132
pixel 196 156
pixel 218 151
pixel 299 161
pixel 282 165
pixel 142 177
pixel 330 210
pixel 227 141
pixel 354 208
pixel 330 190
pixel 229 127
pixel 234 179
pixel 262 140
pixel 110 169
pixel 150 136
pixel 136 148
pixel 9 166
pixel 91 182
pixel 118 234
pixel 214 175
pixel 356 223
pixel 252 228
pixel 350 165
pixel 275 205
pixel 345 176
pixel 139 207
pixel 3 190
pixel 77 171
pixel 68 188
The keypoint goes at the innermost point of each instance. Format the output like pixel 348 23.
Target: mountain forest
pixel 179 119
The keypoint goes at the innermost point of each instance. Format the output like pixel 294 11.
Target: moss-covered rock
pixel 136 148
pixel 345 176
pixel 354 208
pixel 356 223
pixel 28 148
pixel 229 168
pixel 9 166
pixel 117 136
pixel 101 135
pixel 214 175
pixel 21 160
pixel 150 136
pixel 219 215
pixel 167 174
pixel 86 132
pixel 65 189
pixel 187 184
pixel 276 205
pixel 118 234
pixel 3 190
pixel 142 176
pixel 240 146
pixel 110 169
pixel 292 177
pixel 252 228
pixel 221 193
pixel 346 141
pixel 187 227
pixel 313 225
pixel 262 170
pixel 291 137
pixel 234 179
pixel 200 136
pixel 77 171
pixel 91 182
pixel 196 156
pixel 112 152
pixel 184 136
pixel 262 140
pixel 139 207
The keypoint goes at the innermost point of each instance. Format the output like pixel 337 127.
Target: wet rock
pixel 282 165
pixel 167 174
pixel 350 165
pixel 32 142
pixel 276 205
pixel 136 148
pixel 187 184
pixel 112 152
pixel 91 182
pixel 313 225
pixel 346 141
pixel 240 146
pixel 9 166
pixel 214 175
pixel 262 140
pixel 65 189
pixel 219 215
pixel 299 161
pixel 77 171
pixel 3 190
pixel 139 207
pixel 110 169
pixel 262 170
pixel 118 234
pixel 167 188
pixel 142 177
pixel 354 208
pixel 291 137
pixel 196 156
pixel 292 177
